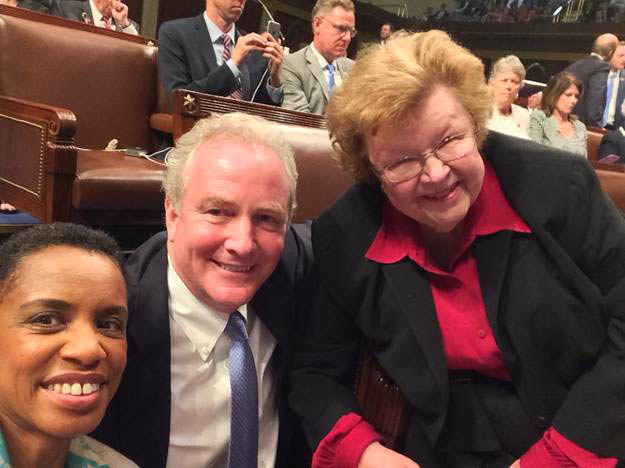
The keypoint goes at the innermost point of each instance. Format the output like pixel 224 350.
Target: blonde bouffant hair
pixel 389 80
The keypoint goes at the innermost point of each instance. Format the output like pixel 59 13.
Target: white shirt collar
pixel 214 31
pixel 323 63
pixel 202 324
pixel 97 16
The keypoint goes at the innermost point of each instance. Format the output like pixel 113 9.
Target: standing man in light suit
pixel 209 54
pixel 311 74
pixel 212 303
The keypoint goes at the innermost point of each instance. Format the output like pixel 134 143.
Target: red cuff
pixel 342 447
pixel 554 450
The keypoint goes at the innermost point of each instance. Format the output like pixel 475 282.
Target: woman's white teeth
pixel 74 389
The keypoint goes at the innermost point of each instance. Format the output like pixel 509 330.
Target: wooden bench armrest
pixel 39 158
pixel 381 402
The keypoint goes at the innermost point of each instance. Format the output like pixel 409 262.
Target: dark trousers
pixel 487 426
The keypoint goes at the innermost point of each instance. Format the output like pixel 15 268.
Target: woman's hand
pixel 376 455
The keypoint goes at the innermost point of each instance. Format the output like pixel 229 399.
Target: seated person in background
pixel 63 344
pixel 506 78
pixel 385 32
pixel 107 14
pixel 554 124
pixel 488 284
pixel 209 54
pixel 312 74
pixel 212 298
pixel 613 144
pixel 41 6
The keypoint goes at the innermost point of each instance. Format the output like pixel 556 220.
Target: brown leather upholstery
pixel 594 140
pixel 106 179
pixel 108 80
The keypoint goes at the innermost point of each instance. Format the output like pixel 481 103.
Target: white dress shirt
pixel 323 63
pixel 97 21
pixel 200 382
pixel 614 76
pixel 516 123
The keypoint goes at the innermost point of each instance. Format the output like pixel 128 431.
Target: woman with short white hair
pixel 506 79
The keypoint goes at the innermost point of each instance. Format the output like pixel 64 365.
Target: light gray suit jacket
pixel 305 86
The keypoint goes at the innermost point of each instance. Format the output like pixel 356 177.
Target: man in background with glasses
pixel 310 75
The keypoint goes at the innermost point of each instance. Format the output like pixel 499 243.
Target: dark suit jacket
pixel 186 59
pixel 593 73
pixel 81 11
pixel 51 7
pixel 137 421
pixel 555 300
pixel 619 120
pixel 612 142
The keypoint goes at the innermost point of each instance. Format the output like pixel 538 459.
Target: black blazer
pixel 555 300
pixel 137 421
pixel 186 59
pixel 593 73
pixel 79 10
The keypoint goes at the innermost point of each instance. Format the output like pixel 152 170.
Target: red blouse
pixel 467 337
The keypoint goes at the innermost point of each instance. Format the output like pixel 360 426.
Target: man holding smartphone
pixel 207 53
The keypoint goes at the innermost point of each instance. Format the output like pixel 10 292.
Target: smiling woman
pixel 485 273
pixel 63 314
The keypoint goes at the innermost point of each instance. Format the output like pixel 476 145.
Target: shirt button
pixel 481 333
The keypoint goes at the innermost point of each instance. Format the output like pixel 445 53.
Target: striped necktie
pixel 243 451
pixel 108 24
pixel 236 94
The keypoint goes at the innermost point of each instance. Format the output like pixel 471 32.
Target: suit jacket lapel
pixel 414 298
pixel 316 71
pixel 492 257
pixel 148 379
pixel 85 13
pixel 205 44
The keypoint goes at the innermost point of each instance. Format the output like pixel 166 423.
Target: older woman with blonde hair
pixel 506 79
pixel 484 273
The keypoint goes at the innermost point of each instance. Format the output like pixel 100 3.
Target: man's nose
pixel 240 237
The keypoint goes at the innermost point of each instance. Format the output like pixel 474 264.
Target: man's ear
pixel 171 218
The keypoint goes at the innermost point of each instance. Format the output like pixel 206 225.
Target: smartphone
pixel 273 28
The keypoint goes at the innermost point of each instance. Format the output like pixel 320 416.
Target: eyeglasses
pixel 450 149
pixel 341 28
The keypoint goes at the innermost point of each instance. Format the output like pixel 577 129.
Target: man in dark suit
pixel 228 257
pixel 613 144
pixel 209 54
pixel 593 71
pixel 107 14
